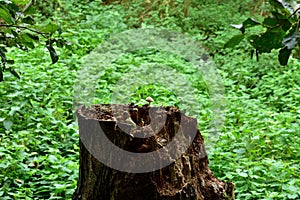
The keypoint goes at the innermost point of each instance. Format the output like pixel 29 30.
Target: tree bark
pixel 131 128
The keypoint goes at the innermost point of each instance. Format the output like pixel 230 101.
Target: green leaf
pixel 7 124
pixel 271 21
pixel 52 159
pixel 48 28
pixel 235 40
pixel 271 39
pixel 15 34
pixel 286 25
pixel 21 2
pixel 26 40
pixel 240 150
pixel 13 72
pixel 2 55
pixel 277 20
pixel 250 23
pixel 278 15
pixel 29 8
pixel 284 55
pixel 5 15
pixel 60 43
pixel 293 196
pixel 243 174
pixel 28 20
pixel 12 8
pixel 33 37
pixel 53 54
pixel 10 62
pixel 282 5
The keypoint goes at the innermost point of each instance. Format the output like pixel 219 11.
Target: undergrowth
pixel 257 149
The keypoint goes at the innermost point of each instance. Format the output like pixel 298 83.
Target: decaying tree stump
pixel 143 130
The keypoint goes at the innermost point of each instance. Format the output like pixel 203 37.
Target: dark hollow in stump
pixel 143 129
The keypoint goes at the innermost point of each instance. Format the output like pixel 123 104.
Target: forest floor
pixel 258 144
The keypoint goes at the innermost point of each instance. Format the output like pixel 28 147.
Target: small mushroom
pixel 149 100
pixel 161 142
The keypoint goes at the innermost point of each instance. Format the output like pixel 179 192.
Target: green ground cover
pixel 258 148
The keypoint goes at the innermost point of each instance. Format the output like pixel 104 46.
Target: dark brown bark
pixel 188 178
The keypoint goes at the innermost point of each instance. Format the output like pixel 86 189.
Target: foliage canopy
pixel 18 28
pixel 279 30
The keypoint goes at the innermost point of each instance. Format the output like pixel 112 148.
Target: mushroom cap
pixel 149 99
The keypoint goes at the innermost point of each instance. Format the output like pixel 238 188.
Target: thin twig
pixel 24 27
pixel 294 12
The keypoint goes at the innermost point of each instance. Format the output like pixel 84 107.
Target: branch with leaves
pixel 281 31
pixel 19 29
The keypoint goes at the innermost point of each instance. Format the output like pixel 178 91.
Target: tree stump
pixel 143 130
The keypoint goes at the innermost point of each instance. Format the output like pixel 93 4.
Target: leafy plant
pixel 19 29
pixel 258 148
pixel 279 30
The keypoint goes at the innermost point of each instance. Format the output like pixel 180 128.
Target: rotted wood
pixel 188 178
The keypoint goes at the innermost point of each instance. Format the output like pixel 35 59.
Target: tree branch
pixel 294 12
pixel 24 27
